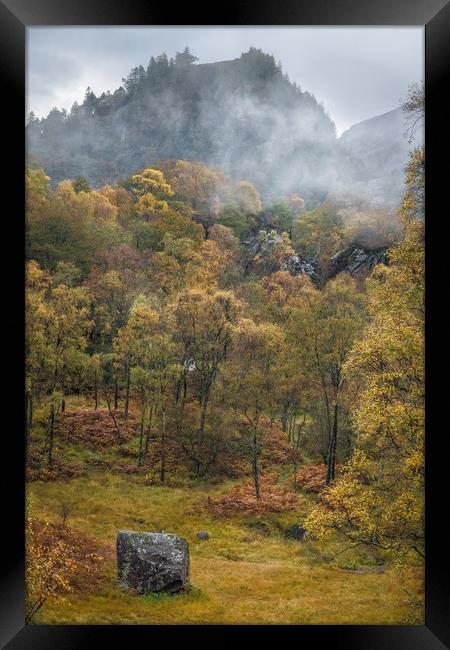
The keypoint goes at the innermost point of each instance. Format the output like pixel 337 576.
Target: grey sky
pixel 356 72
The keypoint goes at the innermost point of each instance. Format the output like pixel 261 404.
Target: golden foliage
pixel 379 501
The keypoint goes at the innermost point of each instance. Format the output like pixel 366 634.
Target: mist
pixel 243 116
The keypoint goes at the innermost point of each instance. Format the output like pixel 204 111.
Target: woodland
pixel 195 360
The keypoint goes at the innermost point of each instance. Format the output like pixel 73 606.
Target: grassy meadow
pixel 248 571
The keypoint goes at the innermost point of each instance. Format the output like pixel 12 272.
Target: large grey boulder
pixel 152 562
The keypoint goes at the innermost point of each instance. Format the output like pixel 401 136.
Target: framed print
pixel 231 343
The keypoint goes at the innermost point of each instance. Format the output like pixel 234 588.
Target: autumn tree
pixel 80 184
pixel 280 216
pixel 206 268
pixel 203 333
pixel 48 567
pixel 251 382
pixel 318 233
pixel 149 234
pixel 193 182
pixel 323 326
pixel 379 501
pixel 296 204
pixel 198 185
pixel 247 198
pixel 56 336
pixel 150 352
pixel 66 337
pixel 414 108
pixel 266 252
pixel 37 317
pixel 231 217
pixel 64 225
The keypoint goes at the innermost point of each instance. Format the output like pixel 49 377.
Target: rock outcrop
pixel 356 260
pixel 297 265
pixel 152 562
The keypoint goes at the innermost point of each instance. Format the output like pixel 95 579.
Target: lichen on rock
pixel 152 562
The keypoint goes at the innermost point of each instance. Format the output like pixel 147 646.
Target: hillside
pixel 237 114
pixel 243 116
pixel 374 152
pixel 206 364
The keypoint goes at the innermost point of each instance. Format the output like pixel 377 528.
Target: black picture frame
pixel 15 16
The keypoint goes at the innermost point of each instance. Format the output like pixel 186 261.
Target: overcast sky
pixel 355 72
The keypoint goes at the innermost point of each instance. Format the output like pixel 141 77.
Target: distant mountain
pixel 373 156
pixel 244 116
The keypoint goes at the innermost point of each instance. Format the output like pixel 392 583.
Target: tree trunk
pixel 296 432
pixel 127 390
pixel 116 395
pixel 331 460
pixel 147 436
pixel 141 433
pixel 30 411
pixel 27 409
pixel 325 396
pixel 63 405
pixel 163 448
pixel 203 406
pixel 95 391
pixel 295 476
pixel 51 428
pixel 177 390
pixel 196 464
pixel 255 469
pixel 27 424
pixel 284 417
pixel 119 435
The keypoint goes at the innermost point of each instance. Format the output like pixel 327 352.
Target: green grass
pixel 242 574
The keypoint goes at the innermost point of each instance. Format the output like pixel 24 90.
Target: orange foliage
pixel 242 500
pixel 58 560
pixel 95 429
pixel 312 477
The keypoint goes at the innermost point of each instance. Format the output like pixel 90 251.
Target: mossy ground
pixel 247 572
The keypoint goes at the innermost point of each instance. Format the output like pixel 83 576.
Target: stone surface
pixel 296 531
pixel 356 260
pixel 152 562
pixel 297 265
pixel 203 534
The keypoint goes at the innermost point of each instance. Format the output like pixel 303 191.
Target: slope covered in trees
pixel 173 354
pixel 243 115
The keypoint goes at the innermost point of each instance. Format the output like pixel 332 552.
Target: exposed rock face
pixel 152 562
pixel 356 260
pixel 297 265
pixel 264 243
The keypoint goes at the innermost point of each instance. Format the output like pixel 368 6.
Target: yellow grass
pixel 239 575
